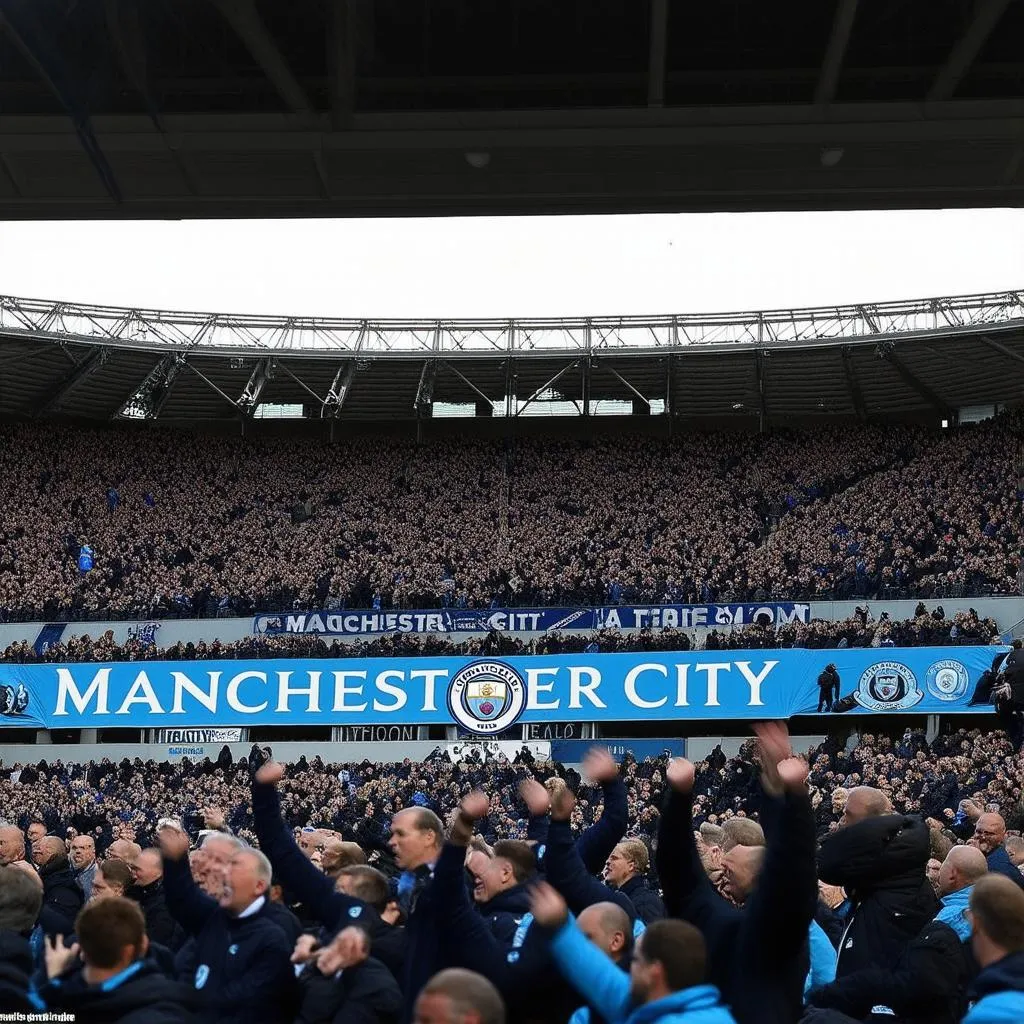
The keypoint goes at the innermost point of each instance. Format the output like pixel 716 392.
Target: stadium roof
pixel 922 357
pixel 208 108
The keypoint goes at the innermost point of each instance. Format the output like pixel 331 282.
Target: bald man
pixel 608 927
pixel 929 981
pixel 864 802
pixel 990 837
pixel 12 844
pixel 123 849
pixel 62 895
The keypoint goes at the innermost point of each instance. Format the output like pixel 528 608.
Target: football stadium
pixel 555 669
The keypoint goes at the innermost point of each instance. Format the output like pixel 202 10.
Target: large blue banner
pixel 488 696
pixel 529 620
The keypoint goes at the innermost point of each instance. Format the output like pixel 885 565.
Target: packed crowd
pixel 768 887
pixel 125 523
pixel 931 629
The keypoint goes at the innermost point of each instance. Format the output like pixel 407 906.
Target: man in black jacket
pixel 880 862
pixel 62 895
pixel 500 885
pixel 758 955
pixel 626 869
pixel 20 899
pixel 243 973
pixel 928 984
pixel 148 892
pixel 115 983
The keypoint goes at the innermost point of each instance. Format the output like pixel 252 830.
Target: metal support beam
pixel 656 62
pixel 151 392
pixel 547 384
pixel 618 376
pixel 998 346
pixel 986 16
pixel 762 404
pixel 209 383
pixel 586 367
pixel 56 395
pixel 340 389
pixel 250 396
pixel 915 384
pixel 853 385
pixel 243 17
pixel 511 388
pixel 465 380
pixel 670 382
pixel 424 400
pixel 832 65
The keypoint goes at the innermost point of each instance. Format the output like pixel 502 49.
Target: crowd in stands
pixel 768 887
pixel 931 629
pixel 133 523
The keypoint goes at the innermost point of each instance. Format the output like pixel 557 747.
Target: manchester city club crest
pixel 888 686
pixel 486 697
pixel 947 680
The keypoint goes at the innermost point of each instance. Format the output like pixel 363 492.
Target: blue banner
pixel 529 620
pixel 488 696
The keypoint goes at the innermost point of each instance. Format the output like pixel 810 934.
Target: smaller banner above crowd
pixel 530 620
pixel 488 696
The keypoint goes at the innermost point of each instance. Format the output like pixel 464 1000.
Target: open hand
pixel 475 805
pixel 173 843
pixel 347 949
pixel 536 797
pixel 681 774
pixel 58 958
pixel 547 906
pixel 599 766
pixel 270 773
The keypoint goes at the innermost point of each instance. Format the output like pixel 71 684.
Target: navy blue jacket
pixel 243 973
pixel 567 873
pixel 757 955
pixel 505 913
pixel 138 995
pixel 367 994
pixel 1000 863
pixel 62 897
pixel 424 955
pixel 998 993
pixel 596 844
pixel 646 902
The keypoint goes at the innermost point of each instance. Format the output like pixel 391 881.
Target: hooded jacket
pixel 138 995
pixel 927 985
pixel 62 897
pixel 607 988
pixel 998 993
pixel 880 863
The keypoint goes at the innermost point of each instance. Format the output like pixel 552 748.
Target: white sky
pixel 523 266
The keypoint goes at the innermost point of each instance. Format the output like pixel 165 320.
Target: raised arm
pixel 686 889
pixel 298 874
pixel 189 905
pixel 596 844
pixel 603 985
pixel 782 906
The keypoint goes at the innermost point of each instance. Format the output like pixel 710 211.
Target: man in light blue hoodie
pixel 665 982
pixel 997 938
